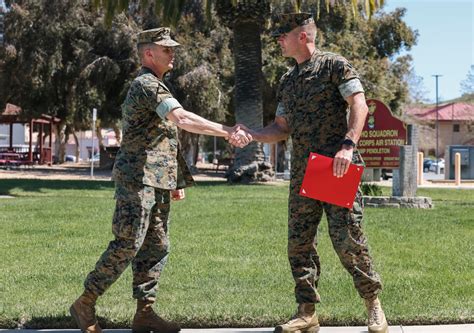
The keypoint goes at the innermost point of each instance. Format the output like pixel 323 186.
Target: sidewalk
pixel 466 328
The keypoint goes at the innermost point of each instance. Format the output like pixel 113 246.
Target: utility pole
pixel 436 76
pixel 94 118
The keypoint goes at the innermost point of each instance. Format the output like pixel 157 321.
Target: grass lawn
pixel 228 264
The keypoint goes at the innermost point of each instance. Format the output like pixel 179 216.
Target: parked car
pixel 70 158
pixel 95 158
pixel 427 164
pixel 434 165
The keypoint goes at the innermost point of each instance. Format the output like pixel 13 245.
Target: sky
pixel 445 42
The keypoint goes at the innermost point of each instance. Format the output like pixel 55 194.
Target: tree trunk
pixel 61 140
pixel 118 134
pixel 249 165
pixel 77 152
pixel 98 134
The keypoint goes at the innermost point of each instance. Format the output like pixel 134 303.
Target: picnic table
pixel 13 160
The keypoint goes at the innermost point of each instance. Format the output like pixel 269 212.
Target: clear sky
pixel 445 42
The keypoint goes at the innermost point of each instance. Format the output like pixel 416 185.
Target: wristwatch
pixel 348 142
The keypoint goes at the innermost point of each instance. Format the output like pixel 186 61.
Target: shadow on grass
pixel 40 185
pixel 37 185
pixel 66 322
pixel 56 322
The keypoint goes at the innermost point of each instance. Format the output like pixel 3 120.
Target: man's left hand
pixel 342 161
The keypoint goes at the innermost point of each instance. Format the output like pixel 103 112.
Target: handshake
pixel 239 135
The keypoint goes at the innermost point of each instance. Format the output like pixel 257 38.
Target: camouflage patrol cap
pixel 284 23
pixel 159 36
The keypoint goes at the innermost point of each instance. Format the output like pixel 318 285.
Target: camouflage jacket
pixel 312 103
pixel 150 151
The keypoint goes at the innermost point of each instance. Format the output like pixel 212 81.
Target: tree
pixel 467 85
pixel 202 75
pixel 246 19
pixel 60 60
pixel 418 91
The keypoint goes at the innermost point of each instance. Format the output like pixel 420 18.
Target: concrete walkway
pixel 467 328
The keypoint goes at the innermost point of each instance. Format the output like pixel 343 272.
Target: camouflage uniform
pixel 148 165
pixel 311 100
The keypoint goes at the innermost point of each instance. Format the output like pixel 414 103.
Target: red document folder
pixel 320 184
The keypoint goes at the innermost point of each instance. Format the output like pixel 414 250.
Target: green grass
pixel 228 263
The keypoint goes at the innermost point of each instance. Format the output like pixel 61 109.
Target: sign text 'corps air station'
pixel 381 137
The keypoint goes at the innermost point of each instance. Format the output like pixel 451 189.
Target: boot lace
pixel 375 314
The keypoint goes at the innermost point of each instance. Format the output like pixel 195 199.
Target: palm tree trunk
pixel 249 162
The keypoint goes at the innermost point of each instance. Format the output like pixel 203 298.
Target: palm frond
pixel 372 8
pixel 96 3
pixel 354 7
pixel 208 9
pixel 122 5
pixel 297 5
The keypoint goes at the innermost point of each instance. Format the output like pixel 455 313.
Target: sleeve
pixel 160 99
pixel 346 77
pixel 350 87
pixel 166 106
pixel 280 111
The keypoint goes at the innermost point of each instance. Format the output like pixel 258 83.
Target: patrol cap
pixel 158 36
pixel 284 23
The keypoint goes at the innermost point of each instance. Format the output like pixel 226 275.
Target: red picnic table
pixel 13 160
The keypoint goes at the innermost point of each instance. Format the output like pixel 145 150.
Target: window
pixel 456 128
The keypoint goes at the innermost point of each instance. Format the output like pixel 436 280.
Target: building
pixel 455 121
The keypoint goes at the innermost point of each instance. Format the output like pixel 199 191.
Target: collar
pixel 147 70
pixel 305 66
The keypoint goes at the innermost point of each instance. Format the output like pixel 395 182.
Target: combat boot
pixel 83 312
pixel 304 321
pixel 377 320
pixel 146 320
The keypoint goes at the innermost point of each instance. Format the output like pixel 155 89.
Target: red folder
pixel 320 184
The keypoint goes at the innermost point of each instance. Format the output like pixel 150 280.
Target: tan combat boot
pixel 83 312
pixel 146 320
pixel 304 321
pixel 377 321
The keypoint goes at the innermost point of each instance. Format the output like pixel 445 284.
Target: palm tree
pixel 246 19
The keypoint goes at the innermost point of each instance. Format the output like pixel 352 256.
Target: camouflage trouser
pixel 140 227
pixel 347 238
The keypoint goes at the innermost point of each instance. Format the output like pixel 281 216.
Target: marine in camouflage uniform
pixel 312 109
pixel 148 166
pixel 312 104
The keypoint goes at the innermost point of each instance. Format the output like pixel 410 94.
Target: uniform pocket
pixel 132 210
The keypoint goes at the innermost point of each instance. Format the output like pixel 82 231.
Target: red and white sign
pixel 381 138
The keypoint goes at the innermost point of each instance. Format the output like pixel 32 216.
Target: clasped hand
pixel 240 136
